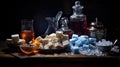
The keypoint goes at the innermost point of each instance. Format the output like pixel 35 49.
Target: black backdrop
pixel 105 10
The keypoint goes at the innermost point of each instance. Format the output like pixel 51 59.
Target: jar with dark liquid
pixel 78 20
pixel 27 31
pixel 64 27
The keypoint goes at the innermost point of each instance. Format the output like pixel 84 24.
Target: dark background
pixel 105 10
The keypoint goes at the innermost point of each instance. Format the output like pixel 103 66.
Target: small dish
pixel 105 48
pixel 51 51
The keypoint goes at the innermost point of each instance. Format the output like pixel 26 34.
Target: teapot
pixel 53 23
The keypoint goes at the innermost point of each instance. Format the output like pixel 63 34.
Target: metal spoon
pixel 115 41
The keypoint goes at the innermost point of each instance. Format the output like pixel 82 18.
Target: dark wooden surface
pixel 55 60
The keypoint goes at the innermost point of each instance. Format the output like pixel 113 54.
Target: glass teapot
pixel 53 23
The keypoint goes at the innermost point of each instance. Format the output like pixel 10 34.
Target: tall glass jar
pixel 78 20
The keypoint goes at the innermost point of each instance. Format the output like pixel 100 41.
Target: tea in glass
pixel 27 32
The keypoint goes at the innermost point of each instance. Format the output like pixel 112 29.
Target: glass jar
pixel 64 27
pixel 78 20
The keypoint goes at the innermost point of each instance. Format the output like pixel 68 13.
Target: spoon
pixel 115 41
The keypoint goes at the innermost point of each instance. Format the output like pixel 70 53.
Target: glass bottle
pixel 64 27
pixel 92 30
pixel 101 30
pixel 78 20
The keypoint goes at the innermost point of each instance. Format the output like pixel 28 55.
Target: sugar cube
pixel 9 41
pixel 15 38
pixel 75 49
pixel 72 41
pixel 85 46
pixel 74 36
pixel 92 40
pixel 78 43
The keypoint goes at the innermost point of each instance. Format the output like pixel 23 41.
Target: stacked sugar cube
pixel 88 46
pixel 15 39
pixel 81 42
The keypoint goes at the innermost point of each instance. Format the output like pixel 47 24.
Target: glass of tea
pixel 27 31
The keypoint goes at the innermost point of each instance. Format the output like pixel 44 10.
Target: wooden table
pixel 55 60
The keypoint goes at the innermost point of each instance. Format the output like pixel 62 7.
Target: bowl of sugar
pixel 104 46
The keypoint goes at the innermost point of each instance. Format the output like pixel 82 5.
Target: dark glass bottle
pixel 78 20
pixel 64 27
pixel 101 30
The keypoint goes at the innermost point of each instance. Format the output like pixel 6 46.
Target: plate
pixel 51 51
pixel 16 48
pixel 13 47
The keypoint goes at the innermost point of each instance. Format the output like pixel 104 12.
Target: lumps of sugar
pixel 15 37
pixel 74 36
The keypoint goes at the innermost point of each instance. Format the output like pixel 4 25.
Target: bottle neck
pixel 77 11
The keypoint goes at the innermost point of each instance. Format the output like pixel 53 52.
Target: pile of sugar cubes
pixel 86 45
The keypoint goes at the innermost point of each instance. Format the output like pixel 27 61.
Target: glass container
pixel 78 20
pixel 64 27
pixel 27 31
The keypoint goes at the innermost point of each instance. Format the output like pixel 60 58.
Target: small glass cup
pixel 27 31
